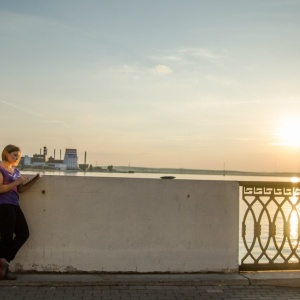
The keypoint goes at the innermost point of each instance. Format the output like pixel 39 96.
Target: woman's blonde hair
pixel 9 149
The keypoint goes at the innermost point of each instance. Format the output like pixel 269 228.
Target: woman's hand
pixel 21 179
pixel 24 185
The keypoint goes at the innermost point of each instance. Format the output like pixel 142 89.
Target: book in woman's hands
pixel 32 178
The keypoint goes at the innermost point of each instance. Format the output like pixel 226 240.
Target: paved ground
pixel 148 292
pixel 247 286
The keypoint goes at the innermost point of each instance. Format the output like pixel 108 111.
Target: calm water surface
pixel 158 175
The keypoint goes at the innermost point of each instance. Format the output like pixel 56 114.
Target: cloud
pixel 186 55
pixel 24 110
pixel 57 122
pixel 39 115
pixel 162 69
pixel 126 69
pixel 18 24
pixel 12 23
pixel 133 71
pixel 198 53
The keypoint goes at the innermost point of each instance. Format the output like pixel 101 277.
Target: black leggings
pixel 13 231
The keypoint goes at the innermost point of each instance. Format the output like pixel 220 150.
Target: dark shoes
pixel 9 275
pixel 3 268
pixel 5 274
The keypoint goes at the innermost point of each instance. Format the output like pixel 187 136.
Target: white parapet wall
pixel 96 224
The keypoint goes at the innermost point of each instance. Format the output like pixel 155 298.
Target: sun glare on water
pixel 294 179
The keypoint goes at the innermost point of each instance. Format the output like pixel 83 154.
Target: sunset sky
pixel 154 83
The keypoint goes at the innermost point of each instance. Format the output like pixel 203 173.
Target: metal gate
pixel 271 225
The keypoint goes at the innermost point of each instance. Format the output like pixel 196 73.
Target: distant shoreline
pixel 207 172
pixel 123 169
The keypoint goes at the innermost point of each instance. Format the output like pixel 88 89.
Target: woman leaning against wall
pixel 13 226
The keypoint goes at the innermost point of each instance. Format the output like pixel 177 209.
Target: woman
pixel 13 226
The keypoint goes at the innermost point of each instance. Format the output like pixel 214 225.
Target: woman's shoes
pixel 9 275
pixel 3 268
pixel 5 273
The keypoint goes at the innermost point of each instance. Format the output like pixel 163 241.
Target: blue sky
pixel 188 84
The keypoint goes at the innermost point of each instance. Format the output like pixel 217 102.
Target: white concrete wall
pixel 97 224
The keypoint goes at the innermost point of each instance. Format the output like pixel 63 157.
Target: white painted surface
pixel 130 225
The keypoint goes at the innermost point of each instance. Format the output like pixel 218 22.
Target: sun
pixel 289 133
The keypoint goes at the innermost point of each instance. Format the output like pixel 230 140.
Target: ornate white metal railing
pixel 271 225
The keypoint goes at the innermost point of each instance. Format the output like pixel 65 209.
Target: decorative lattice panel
pixel 270 227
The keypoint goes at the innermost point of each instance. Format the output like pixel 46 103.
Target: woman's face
pixel 14 157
